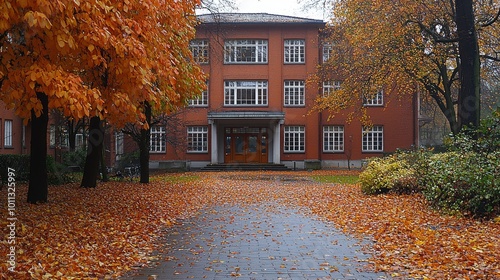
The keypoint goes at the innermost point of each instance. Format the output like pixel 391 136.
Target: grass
pixel 336 179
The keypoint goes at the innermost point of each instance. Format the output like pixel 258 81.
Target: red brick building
pixel 257 108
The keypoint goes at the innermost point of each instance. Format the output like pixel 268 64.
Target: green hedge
pixel 465 179
pixel 21 165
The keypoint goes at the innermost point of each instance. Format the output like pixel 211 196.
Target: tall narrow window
pixel 373 139
pixel 119 137
pixel 294 93
pixel 197 139
pixel 245 51
pixel 7 133
pixel 374 100
pixel 200 51
pixel 294 139
pixel 333 138
pixel 200 101
pixel 330 86
pixel 245 93
pixel 157 141
pixel 295 51
pixel 327 51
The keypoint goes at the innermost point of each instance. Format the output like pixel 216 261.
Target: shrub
pixel 21 163
pixel 381 175
pixel 465 182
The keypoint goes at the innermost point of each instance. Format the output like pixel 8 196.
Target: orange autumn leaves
pixel 97 58
pixel 104 232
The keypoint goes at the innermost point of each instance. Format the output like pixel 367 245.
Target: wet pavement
pixel 258 242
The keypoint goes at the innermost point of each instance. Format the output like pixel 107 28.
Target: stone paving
pixel 258 242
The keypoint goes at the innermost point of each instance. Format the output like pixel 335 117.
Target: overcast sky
pixel 280 7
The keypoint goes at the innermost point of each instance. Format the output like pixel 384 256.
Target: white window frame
pixel 200 101
pixel 157 140
pixel 294 93
pixel 245 51
pixel 373 139
pixel 333 138
pixel 330 86
pixel 327 51
pixel 294 139
pixel 79 141
pixel 197 139
pixel 119 144
pixel 200 50
pixel 245 93
pixel 375 100
pixel 8 128
pixel 295 51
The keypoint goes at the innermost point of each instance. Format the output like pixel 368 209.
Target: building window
pixel 197 139
pixel 79 141
pixel 295 51
pixel 294 139
pixel 157 140
pixel 375 100
pixel 330 86
pixel 294 93
pixel 245 51
pixel 200 101
pixel 373 139
pixel 200 51
pixel 327 51
pixel 245 93
pixel 58 136
pixel 119 144
pixel 333 138
pixel 7 140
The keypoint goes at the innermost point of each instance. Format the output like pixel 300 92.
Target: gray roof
pixel 254 18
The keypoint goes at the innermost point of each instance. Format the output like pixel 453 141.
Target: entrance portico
pixel 245 137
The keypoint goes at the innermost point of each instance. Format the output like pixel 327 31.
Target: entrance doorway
pixel 246 145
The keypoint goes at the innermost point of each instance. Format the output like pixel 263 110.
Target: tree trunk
pixel 94 150
pixel 144 146
pixel 38 178
pixel 104 170
pixel 469 94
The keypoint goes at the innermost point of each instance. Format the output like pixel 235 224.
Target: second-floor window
pixel 200 51
pixel 327 51
pixel 295 51
pixel 330 86
pixel 200 101
pixel 245 51
pixel 294 93
pixel 245 93
pixel 374 100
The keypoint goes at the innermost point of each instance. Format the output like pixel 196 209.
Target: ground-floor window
pixel 294 139
pixel 197 139
pixel 333 138
pixel 373 139
pixel 7 133
pixel 157 141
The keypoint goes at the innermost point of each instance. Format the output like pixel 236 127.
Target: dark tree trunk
pixel 71 135
pixel 94 150
pixel 144 146
pixel 469 94
pixel 38 179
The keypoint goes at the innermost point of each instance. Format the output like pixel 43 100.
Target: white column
pixel 214 159
pixel 276 142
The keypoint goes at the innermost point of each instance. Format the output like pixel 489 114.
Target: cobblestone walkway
pixel 258 242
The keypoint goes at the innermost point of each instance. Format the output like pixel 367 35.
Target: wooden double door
pixel 246 145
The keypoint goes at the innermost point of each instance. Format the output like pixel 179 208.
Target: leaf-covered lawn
pixel 104 232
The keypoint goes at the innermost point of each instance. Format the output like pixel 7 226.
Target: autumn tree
pixel 405 47
pixel 146 67
pixel 93 59
pixel 37 73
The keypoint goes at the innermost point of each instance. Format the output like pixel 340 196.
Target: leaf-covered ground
pixel 104 232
